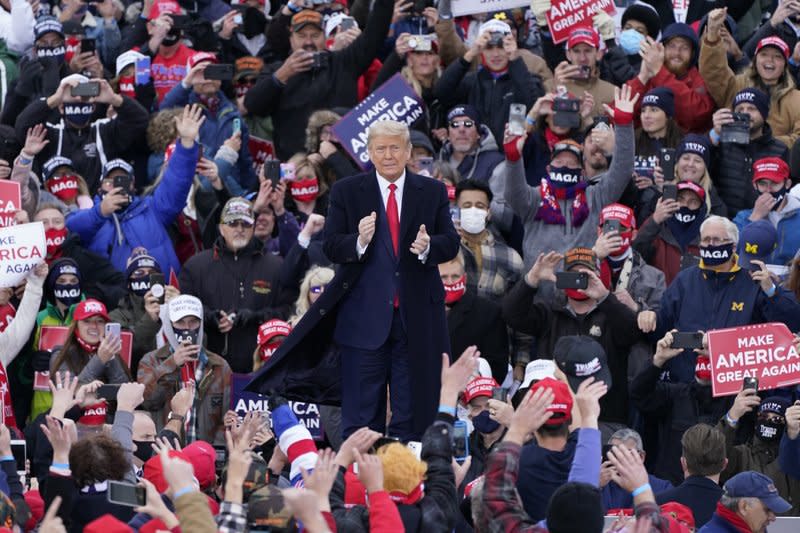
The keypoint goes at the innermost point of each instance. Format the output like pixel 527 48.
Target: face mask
pixel 626 244
pixel 254 22
pixel 454 291
pixel 127 86
pixel 55 239
pixel 67 294
pixel 172 38
pixel 563 177
pixel 186 336
pixel 769 431
pixel 143 450
pixel 629 41
pixel 473 220
pixel 304 190
pixel 267 350
pixel 52 53
pixel 64 187
pixel 576 294
pixel 484 424
pixel 684 215
pixel 779 196
pixel 716 255
pixel 78 114
pixel 140 286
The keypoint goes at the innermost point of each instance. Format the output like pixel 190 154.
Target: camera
pixel 737 131
pixel 495 39
pixel 421 43
pixel 566 112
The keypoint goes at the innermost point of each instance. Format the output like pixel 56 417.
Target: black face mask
pixel 769 431
pixel 51 53
pixel 140 286
pixel 484 424
pixel 684 215
pixel 172 38
pixel 67 294
pixel 779 196
pixel 186 336
pixel 144 450
pixel 254 22
pixel 716 255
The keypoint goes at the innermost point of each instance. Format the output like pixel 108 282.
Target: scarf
pixel 88 348
pixel 549 210
pixel 210 102
pixel 552 138
pixel 733 519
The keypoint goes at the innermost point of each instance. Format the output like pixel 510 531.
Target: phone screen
pixel 20 452
pixel 460 443
pixel 516 119
pixel 126 494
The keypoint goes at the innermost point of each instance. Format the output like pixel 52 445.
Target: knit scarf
pixel 552 138
pixel 550 212
pixel 733 519
pixel 210 102
pixel 88 348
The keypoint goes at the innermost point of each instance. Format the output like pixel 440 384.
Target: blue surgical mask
pixel 630 40
pixel 484 424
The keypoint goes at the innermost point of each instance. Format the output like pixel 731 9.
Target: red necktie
pixel 393 217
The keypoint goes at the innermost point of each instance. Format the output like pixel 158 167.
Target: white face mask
pixel 473 220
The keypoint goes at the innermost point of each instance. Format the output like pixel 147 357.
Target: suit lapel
pixel 374 202
pixel 412 196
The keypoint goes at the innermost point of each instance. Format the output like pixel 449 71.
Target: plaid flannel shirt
pixel 500 269
pixel 232 517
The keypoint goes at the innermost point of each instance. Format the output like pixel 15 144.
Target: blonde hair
pixel 315 275
pixel 388 128
pixel 161 130
pixel 750 78
pixel 705 183
pixel 300 161
pixel 402 471
pixel 408 75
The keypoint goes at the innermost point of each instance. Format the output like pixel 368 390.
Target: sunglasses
pixel 239 224
pixel 459 123
pixel 317 289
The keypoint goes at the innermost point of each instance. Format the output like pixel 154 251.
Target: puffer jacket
pixel 723 84
pixel 144 222
pixel 787 222
pixel 732 168
pixel 525 201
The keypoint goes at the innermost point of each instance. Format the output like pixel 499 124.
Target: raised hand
pixel 188 124
pixel 544 269
pixel 421 242
pixel 531 414
pixel 36 140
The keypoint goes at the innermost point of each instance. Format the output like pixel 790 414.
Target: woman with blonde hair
pixel 311 288
pixel 308 189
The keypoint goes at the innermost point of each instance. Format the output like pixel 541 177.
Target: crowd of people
pixel 241 326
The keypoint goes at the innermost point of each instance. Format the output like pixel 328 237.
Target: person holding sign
pixel 718 294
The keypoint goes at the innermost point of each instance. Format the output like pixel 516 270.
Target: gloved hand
pixel 605 25
pixel 540 9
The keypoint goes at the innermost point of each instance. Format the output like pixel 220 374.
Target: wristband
pixel 643 488
pixel 622 118
pixel 731 422
pixel 446 409
pixel 6 458
pixel 530 121
pixel 185 490
pixel 714 136
pixel 771 292
pixel 63 466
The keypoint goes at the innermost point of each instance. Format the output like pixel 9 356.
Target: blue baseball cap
pixel 751 484
pixel 757 241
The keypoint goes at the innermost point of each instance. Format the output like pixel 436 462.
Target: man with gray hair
pixel 749 499
pixel 718 294
pixel 614 496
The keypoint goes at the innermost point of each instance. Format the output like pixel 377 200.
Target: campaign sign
pixel 243 402
pixel 566 15
pixel 22 247
pixel 394 100
pixel 763 351
pixel 260 150
pixel 10 202
pixel 51 337
pixel 143 70
pixel 468 7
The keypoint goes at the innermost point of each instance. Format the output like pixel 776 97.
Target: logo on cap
pixel 93 307
pixel 587 369
pixel 751 248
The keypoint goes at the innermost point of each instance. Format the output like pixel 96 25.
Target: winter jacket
pixel 89 148
pixel 759 456
pixel 333 85
pixel 732 168
pixel 717 524
pixel 161 378
pixel 435 512
pixel 699 493
pixel 675 407
pixel 491 95
pixel 723 84
pixel 525 201
pixel 617 67
pixel 611 323
pixel 541 472
pixel 144 222
pixel 485 164
pixel 16 27
pixel 787 222
pixel 246 283
pixel 700 299
pixel 132 316
pixel 217 128
pixel 112 372
pixel 660 249
pixel 16 335
pixel 38 78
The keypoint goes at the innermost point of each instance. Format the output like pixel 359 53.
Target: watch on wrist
pixel 173 416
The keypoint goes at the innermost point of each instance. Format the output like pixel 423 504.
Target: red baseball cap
pixel 271 329
pixel 203 458
pixel 679 513
pixel 775 41
pixel 562 402
pixel 694 187
pixel 620 212
pixel 89 308
pixel 199 57
pixel 478 387
pixel 164 7
pixel 585 35
pixel 770 168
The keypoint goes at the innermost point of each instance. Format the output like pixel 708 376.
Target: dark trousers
pixel 365 374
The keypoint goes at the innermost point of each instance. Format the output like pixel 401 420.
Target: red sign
pixel 566 15
pixel 10 202
pixel 260 150
pixel 763 351
pixel 53 336
pixel 7 314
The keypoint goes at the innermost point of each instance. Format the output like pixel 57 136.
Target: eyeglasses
pixel 461 123
pixel 715 241
pixel 239 224
pixel 317 289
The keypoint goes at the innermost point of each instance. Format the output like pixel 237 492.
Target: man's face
pixel 309 38
pixel 463 134
pixel 756 515
pixel 583 54
pixel 770 64
pixel 593 155
pixel 496 57
pixel 690 200
pixel 565 159
pixel 477 199
pixel 770 186
pixel 265 222
pixel 389 154
pixel 187 322
pixel 451 272
pixel 51 218
pixel 236 234
pixel 205 87
pixel 756 120
pixel 678 55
